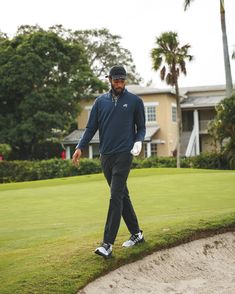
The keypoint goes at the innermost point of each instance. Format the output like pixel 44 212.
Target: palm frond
pixel 173 57
pixel 163 73
pixel 187 4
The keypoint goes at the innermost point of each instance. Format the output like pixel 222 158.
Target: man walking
pixel 119 116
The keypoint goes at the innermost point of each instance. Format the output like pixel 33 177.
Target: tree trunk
pixel 228 75
pixel 179 124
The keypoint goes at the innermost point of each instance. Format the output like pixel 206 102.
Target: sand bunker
pixel 205 266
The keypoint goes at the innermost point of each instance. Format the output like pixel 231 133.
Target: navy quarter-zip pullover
pixel 121 123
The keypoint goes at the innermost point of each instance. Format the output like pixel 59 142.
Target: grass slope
pixel 49 229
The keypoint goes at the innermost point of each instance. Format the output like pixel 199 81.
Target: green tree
pixel 103 50
pixel 223 127
pixel 5 150
pixel 170 58
pixel 42 78
pixel 228 74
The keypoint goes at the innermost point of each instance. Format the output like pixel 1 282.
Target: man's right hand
pixel 76 156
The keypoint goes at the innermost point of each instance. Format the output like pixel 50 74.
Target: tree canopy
pixel 224 122
pixel 104 50
pixel 42 77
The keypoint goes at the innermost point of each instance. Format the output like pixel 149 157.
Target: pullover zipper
pixel 115 99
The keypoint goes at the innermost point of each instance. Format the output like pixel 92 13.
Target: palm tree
pixel 170 58
pixel 228 75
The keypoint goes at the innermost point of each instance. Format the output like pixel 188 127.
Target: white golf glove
pixel 136 148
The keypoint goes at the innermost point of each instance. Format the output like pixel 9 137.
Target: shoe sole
pixel 104 256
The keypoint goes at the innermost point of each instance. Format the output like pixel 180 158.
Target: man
pixel 119 116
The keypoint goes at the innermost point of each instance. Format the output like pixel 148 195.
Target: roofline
pixel 187 90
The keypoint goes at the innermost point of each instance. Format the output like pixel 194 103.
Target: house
pixel 198 109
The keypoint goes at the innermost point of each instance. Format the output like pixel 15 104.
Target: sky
pixel 138 23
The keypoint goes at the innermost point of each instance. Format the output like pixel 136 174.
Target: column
pixel 196 124
pixel 68 155
pixel 90 152
pixel 148 149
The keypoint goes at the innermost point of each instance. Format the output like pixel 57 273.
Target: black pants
pixel 116 169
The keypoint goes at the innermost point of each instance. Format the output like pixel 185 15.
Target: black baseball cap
pixel 117 72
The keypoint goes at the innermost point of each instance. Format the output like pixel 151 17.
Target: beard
pixel 117 91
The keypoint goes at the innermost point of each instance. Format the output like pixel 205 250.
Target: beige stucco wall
pixel 167 132
pixel 83 115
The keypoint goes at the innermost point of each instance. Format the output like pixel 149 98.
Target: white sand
pixel 205 266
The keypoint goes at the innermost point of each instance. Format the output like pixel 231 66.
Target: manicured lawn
pixel 49 229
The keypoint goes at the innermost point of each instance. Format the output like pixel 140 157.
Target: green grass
pixel 49 229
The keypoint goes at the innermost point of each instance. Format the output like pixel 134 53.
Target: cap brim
pixel 119 77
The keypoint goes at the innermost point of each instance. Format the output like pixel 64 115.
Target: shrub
pixel 159 162
pixel 212 160
pixel 16 171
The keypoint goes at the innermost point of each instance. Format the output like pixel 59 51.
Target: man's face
pixel 117 85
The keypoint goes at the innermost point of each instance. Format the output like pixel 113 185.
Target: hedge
pixel 18 171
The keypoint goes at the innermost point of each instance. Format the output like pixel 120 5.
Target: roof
pixel 204 101
pixel 150 132
pixel 209 88
pixel 140 90
pixel 76 135
pixel 203 96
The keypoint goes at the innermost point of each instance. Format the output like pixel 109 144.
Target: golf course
pixel 49 229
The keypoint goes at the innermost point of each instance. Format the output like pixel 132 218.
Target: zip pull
pixel 115 99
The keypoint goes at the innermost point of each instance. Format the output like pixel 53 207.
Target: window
pixel 174 113
pixel 151 111
pixel 153 149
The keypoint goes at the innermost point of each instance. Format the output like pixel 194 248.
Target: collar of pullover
pixel 116 96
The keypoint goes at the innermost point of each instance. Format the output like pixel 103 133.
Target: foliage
pixel 154 161
pixel 42 78
pixel 170 58
pixel 5 150
pixel 212 160
pixel 18 171
pixel 223 127
pixel 103 50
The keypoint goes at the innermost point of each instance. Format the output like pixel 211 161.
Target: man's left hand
pixel 136 148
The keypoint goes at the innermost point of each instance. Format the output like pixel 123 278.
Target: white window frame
pixel 150 104
pixel 173 115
